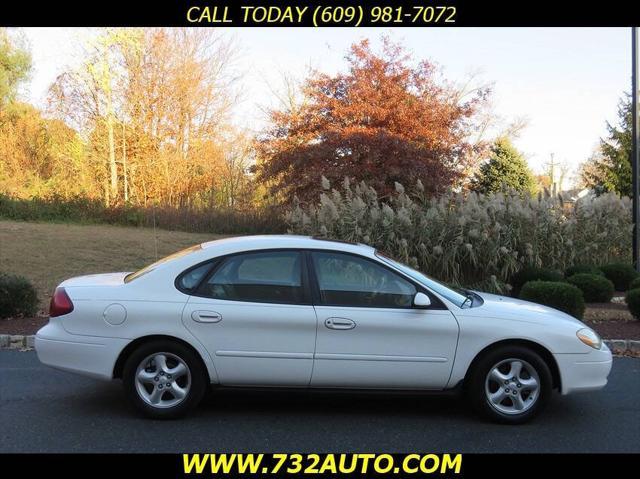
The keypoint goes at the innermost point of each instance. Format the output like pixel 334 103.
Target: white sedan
pixel 292 311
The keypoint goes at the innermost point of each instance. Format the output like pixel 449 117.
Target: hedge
pixel 635 284
pixel 18 297
pixel 595 288
pixel 559 295
pixel 620 274
pixel 633 302
pixel 583 269
pixel 530 273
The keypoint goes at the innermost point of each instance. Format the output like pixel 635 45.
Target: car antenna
pixel 155 236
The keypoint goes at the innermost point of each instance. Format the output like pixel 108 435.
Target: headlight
pixel 590 338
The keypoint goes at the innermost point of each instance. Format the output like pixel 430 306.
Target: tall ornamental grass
pixel 472 239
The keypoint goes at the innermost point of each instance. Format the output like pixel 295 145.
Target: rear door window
pixel 269 277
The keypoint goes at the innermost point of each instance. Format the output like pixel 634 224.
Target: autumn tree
pixel 594 172
pixel 154 108
pixel 179 97
pixel 88 96
pixel 236 186
pixel 15 66
pixel 383 121
pixel 506 168
pixel 39 155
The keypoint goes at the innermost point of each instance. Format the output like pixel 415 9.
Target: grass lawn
pixel 47 253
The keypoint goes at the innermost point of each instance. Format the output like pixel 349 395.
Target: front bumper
pixel 584 372
pixel 92 356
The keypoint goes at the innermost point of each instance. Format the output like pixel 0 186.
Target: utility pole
pixel 635 144
pixel 552 174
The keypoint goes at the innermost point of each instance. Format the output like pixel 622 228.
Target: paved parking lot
pixel 43 410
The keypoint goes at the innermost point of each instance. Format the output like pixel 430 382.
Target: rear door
pixel 369 333
pixel 254 315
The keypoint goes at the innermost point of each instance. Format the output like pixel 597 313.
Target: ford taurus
pixel 300 312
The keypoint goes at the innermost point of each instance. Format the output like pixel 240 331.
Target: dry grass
pixel 48 253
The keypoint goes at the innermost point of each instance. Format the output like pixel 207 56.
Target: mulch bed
pixel 607 312
pixel 616 329
pixel 612 320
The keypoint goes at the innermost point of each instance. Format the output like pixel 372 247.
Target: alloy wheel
pixel 512 386
pixel 163 380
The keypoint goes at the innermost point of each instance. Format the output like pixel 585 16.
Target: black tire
pixel 475 387
pixel 198 379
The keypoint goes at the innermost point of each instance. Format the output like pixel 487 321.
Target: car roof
pixel 286 241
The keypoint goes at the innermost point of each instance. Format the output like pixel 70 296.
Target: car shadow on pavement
pixel 324 402
pixel 247 403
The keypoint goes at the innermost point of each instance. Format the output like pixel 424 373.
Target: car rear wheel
pixel 511 384
pixel 164 379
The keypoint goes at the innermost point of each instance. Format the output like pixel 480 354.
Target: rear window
pixel 132 276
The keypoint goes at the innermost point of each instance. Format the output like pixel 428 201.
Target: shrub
pixel 595 288
pixel 583 269
pixel 465 238
pixel 633 302
pixel 530 273
pixel 635 284
pixel 17 296
pixel 559 295
pixel 620 274
pixel 248 220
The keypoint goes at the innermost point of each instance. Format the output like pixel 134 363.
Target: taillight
pixel 60 303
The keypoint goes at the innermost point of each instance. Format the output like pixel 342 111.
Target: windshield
pixel 452 295
pixel 179 254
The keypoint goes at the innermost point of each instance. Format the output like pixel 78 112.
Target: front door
pixel 254 316
pixel 369 335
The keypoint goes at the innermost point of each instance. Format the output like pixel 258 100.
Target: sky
pixel 566 82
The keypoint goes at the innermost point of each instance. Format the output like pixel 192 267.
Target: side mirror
pixel 421 300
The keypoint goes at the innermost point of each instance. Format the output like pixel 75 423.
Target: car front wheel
pixel 510 385
pixel 164 379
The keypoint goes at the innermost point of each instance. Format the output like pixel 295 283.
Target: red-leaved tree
pixel 383 121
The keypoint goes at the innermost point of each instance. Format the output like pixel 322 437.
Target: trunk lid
pixel 105 279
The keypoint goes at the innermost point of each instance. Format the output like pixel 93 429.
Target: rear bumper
pixel 584 372
pixel 87 355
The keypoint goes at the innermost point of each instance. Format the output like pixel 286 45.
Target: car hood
pixel 496 306
pixel 106 279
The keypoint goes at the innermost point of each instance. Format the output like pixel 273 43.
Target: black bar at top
pixel 468 13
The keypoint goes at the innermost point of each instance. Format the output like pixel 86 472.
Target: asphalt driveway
pixel 43 410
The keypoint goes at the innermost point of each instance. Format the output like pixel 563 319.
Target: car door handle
pixel 206 316
pixel 339 323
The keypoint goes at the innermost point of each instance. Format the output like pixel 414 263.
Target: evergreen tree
pixel 505 169
pixel 610 168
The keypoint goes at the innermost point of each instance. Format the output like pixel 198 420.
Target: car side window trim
pixel 177 283
pixel 310 286
pixel 220 261
pixel 436 303
pixel 314 287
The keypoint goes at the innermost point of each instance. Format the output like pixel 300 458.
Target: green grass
pixel 48 253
